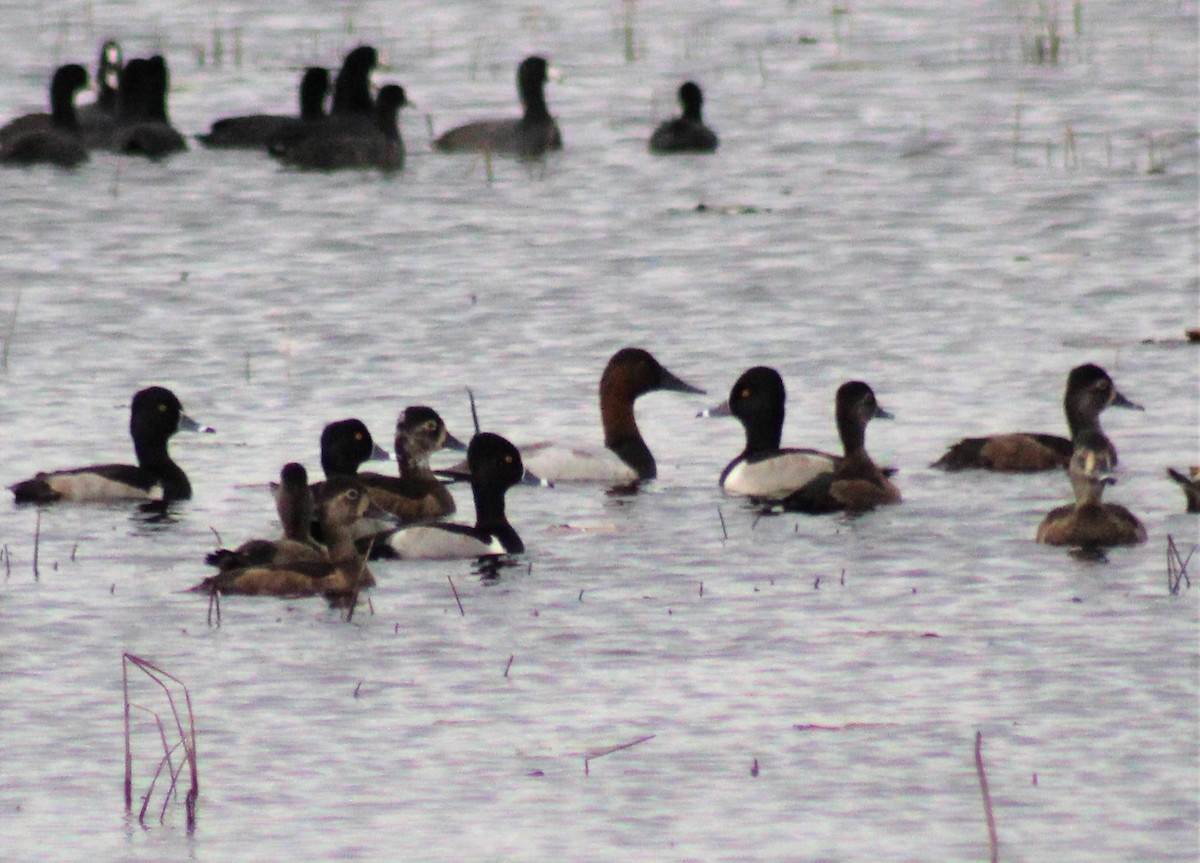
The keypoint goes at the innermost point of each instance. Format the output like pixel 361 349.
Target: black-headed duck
pixel 143 127
pixel 416 494
pixel 686 133
pixel 336 146
pixel 1089 522
pixel 630 373
pixel 257 131
pixel 296 508
pixel 1089 391
pixel 1190 483
pixel 352 102
pixel 154 416
pixel 763 469
pixel 856 484
pixel 345 445
pixel 496 467
pixel 49 138
pixel 532 135
pixel 342 502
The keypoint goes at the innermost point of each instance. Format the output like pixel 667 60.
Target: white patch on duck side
pixel 777 476
pixel 84 487
pixel 558 463
pixel 431 542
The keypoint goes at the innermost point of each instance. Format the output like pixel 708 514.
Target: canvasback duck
pixel 1089 522
pixel 534 134
pixel 154 416
pixel 856 485
pixel 1089 391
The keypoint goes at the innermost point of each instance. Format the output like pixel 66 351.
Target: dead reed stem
pixel 1177 574
pixel 37 541
pixel 456 599
pixel 608 750
pixel 987 798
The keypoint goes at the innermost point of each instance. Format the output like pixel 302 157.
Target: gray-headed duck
pixel 686 133
pixel 1089 391
pixel 856 484
pixel 531 136
pixel 154 416
pixel 1089 522
pixel 342 502
pixel 416 494
pixel 495 468
pixel 763 469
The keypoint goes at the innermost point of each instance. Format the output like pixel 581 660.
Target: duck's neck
pixel 1081 417
pixel 535 104
pixel 1088 492
pixel 691 113
pixel 152 452
pixel 621 434
pixel 412 460
pixel 340 541
pixel 853 434
pixel 62 109
pixel 765 434
pixel 489 508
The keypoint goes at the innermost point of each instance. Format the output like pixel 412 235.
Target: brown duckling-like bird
pixel 1089 522
pixel 1089 391
pixel 856 484
pixel 342 503
pixel 416 494
pixel 296 508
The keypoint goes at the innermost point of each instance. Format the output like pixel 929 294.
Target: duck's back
pixel 1021 452
pixel 1091 525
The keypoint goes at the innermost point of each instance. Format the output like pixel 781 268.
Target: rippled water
pixel 899 197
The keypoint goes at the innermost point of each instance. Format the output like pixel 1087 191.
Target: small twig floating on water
pixel 510 662
pixel 1177 567
pixel 456 599
pixel 724 532
pixel 608 750
pixel 987 798
pixel 37 541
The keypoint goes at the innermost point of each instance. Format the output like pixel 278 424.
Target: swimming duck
pixel 258 130
pixel 154 416
pixel 532 135
pixel 343 501
pixel 1089 522
pixel 339 145
pixel 296 508
pixel 96 119
pixel 630 373
pixel 345 445
pixel 1190 483
pixel 856 484
pixel 764 470
pixel 1089 391
pixel 352 100
pixel 686 133
pixel 143 127
pixel 49 138
pixel 495 468
pixel 416 494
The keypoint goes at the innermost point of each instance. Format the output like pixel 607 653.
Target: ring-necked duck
pixel 856 484
pixel 336 145
pixel 49 138
pixel 1089 522
pixel 532 135
pixel 1190 483
pixel 416 494
pixel 495 468
pixel 143 127
pixel 630 373
pixel 97 118
pixel 343 501
pixel 345 445
pixel 154 416
pixel 686 133
pixel 1089 391
pixel 296 508
pixel 764 470
pixel 258 130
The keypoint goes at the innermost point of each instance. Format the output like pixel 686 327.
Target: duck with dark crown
pixel 687 132
pixel 532 135
pixel 1089 522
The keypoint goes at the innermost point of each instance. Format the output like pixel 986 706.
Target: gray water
pixel 900 196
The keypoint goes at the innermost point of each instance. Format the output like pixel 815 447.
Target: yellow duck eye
pixel 358 435
pixel 162 408
pixel 746 393
pixel 508 459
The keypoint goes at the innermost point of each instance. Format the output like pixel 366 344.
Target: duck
pixel 495 466
pixel 154 416
pixel 341 574
pixel 1089 391
pixel 856 484
pixel 296 508
pixel 352 100
pixel 686 133
pixel 49 138
pixel 1190 483
pixel 531 136
pixel 96 119
pixel 345 445
pixel 763 470
pixel 143 127
pixel 337 145
pixel 1089 522
pixel 631 372
pixel 416 494
pixel 256 131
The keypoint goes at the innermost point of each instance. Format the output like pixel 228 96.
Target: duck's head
pixel 691 99
pixel 633 372
pixel 156 413
pixel 496 463
pixel 1090 390
pixel 421 431
pixel 345 445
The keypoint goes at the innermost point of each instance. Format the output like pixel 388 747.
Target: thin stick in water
pixel 456 599
pixel 37 540
pixel 608 750
pixel 987 798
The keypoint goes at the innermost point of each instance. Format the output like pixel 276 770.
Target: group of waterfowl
pixel 129 115
pixel 331 528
